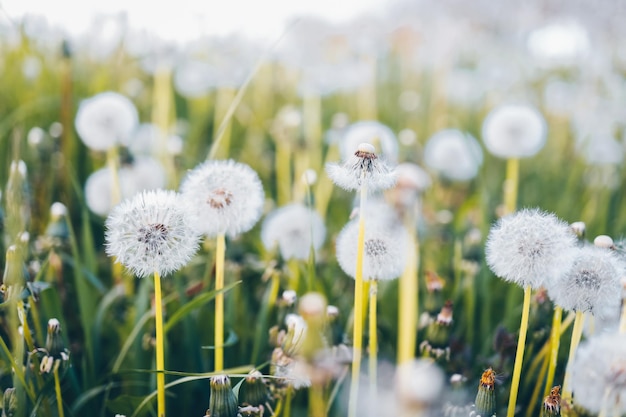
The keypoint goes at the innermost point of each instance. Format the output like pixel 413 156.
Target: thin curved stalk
pixel 160 355
pixel 519 355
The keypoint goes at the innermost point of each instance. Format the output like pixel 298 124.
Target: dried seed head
pixel 579 229
pixel 444 318
pixel 552 403
pixel 485 403
pixel 363 166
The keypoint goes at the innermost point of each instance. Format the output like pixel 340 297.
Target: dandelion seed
pixel 514 131
pixel 364 165
pixel 152 232
pixel 106 120
pixel 453 154
pixel 599 374
pixel 295 229
pixel 591 283
pixel 530 247
pixel 226 197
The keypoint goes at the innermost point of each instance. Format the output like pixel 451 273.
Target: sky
pixel 187 19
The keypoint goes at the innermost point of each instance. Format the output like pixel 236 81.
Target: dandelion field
pixel 358 215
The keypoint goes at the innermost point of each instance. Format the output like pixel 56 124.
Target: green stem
pixel 160 355
pixel 519 355
pixel 555 339
pixel 219 302
pixel 57 389
pixel 357 334
pixel 408 291
pixel 576 335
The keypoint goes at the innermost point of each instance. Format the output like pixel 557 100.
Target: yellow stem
pixel 555 339
pixel 287 412
pixel 357 334
pixel 160 355
pixel 511 185
pixel 408 304
pixel 219 302
pixel 284 157
pixel 577 333
pixel 57 389
pixel 113 165
pixel 316 404
pixel 25 327
pixel 519 355
pixel 373 341
pixel 535 396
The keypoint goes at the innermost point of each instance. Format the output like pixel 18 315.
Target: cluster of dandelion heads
pixel 225 196
pixel 380 136
pixel 514 131
pixel 295 229
pixel 386 245
pixel 591 284
pixel 599 374
pixel 106 120
pixel 454 155
pixel 530 247
pixel 362 166
pixel 152 232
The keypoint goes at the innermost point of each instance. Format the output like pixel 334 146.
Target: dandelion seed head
pixel 105 120
pixel 363 165
pixel 530 247
pixel 225 196
pixel 386 248
pixel 591 283
pixel 295 229
pixel 58 210
pixel 419 382
pixel 454 155
pixel 604 241
pixel 514 131
pixel 600 364
pixel 152 232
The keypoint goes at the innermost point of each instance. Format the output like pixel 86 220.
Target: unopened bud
pixel 222 402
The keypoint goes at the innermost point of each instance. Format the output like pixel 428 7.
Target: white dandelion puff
pixel 591 283
pixel 152 232
pixel 225 196
pixel 106 120
pixel 419 383
pixel 385 249
pixel 514 131
pixel 295 229
pixel 530 247
pixel 599 374
pixel 454 155
pixel 363 165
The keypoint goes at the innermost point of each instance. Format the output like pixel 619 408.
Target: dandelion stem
pixel 511 184
pixel 113 165
pixel 357 333
pixel 519 355
pixel 373 340
pixel 555 339
pixel 57 389
pixel 160 356
pixel 287 403
pixel 408 302
pixel 219 302
pixel 622 322
pixel 577 332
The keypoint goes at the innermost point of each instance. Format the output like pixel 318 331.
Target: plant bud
pixel 486 398
pixel 222 402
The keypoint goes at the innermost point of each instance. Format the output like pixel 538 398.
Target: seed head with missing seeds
pixel 364 165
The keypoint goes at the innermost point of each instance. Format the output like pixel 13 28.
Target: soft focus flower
pixel 559 42
pixel 225 196
pixel 375 133
pixel 419 383
pixel 386 246
pixel 599 374
pixel 514 131
pixel 601 149
pixel 411 182
pixel 296 229
pixel 193 77
pixel 530 247
pixel 152 232
pixel 453 155
pixel 591 283
pixel 106 120
pixel 364 165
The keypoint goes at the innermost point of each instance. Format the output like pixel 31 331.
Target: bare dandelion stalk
pixel 519 354
pixel 160 356
pixel 511 185
pixel 408 298
pixel 357 333
pixel 555 339
pixel 373 340
pixel 577 332
pixel 219 302
pixel 57 389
